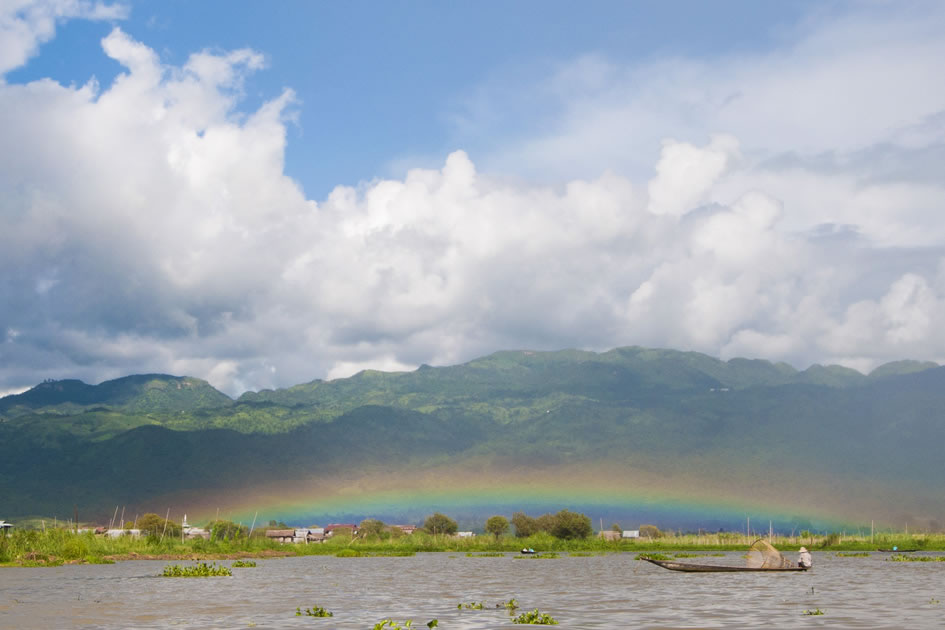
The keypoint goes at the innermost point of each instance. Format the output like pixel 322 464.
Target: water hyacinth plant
pixel 535 617
pixel 201 569
pixel 472 606
pixel 901 557
pixel 817 611
pixel 314 611
pixel 244 563
pixel 390 624
pixel 653 556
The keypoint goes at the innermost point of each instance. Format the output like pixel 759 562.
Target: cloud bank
pixel 790 209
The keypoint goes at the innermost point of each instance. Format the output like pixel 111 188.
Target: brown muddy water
pixel 601 591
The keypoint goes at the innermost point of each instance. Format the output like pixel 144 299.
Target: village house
pixel 193 532
pixel 118 533
pixel 407 529
pixel 609 534
pixel 281 535
pixel 300 535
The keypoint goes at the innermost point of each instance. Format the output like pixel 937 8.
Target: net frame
pixel 762 555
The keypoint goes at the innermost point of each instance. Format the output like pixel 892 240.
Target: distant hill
pixel 667 412
pixel 141 393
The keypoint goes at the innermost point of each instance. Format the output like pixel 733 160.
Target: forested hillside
pixel 64 442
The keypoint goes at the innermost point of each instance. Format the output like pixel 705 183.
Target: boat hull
pixel 713 568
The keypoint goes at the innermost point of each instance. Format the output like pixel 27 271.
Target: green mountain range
pixel 746 423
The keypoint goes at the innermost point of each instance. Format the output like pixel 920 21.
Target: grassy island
pixel 60 546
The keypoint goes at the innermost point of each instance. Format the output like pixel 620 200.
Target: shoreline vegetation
pixel 54 547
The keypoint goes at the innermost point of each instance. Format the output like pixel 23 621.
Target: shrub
pixel 650 531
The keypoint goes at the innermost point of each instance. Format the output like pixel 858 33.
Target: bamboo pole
pixel 165 524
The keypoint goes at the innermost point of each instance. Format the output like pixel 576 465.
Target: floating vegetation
pixel 853 554
pixel 314 611
pixel 485 554
pixel 818 611
pixel 536 618
pixel 390 624
pixel 580 554
pixel 933 601
pixel 244 563
pixel 201 569
pixel 901 557
pixel 511 605
pixel 684 554
pixel 472 606
pixel 540 556
pixel 652 556
pixel 390 553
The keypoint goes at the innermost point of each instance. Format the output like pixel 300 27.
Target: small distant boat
pixel 714 568
pixel 528 550
pixel 761 557
pixel 897 550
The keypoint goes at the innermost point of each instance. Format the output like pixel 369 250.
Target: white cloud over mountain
pixel 790 210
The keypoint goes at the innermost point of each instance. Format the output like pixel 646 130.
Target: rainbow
pixel 472 491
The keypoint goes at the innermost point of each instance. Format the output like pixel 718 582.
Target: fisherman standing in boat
pixel 804 560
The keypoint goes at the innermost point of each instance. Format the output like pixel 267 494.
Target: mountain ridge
pixel 748 421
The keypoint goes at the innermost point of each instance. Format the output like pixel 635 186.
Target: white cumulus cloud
pixel 148 224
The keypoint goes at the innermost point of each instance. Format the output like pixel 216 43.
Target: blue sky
pixel 261 194
pixel 380 83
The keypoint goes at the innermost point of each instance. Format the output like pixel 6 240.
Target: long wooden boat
pixel 713 568
pixel 898 550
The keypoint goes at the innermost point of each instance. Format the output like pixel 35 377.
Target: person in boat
pixel 804 560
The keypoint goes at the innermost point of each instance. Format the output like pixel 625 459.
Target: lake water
pixel 606 591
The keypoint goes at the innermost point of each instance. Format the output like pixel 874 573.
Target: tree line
pixel 564 524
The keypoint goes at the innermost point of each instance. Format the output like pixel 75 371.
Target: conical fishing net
pixel 763 556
